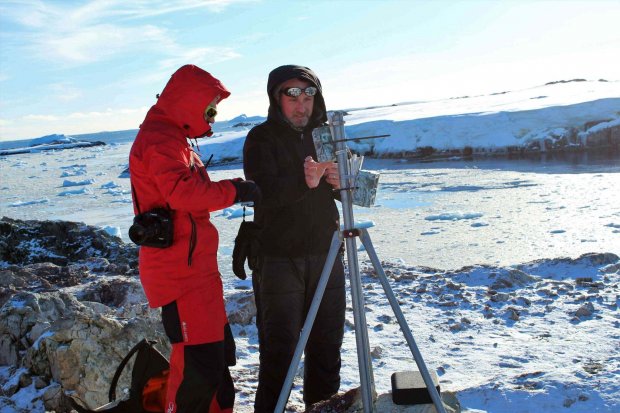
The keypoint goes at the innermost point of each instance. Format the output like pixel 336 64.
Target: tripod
pixel 349 234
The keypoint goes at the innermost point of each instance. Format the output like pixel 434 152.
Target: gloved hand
pixel 247 191
pixel 247 247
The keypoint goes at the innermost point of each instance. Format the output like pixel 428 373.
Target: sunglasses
pixel 296 91
pixel 210 112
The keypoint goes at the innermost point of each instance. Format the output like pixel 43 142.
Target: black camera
pixel 152 228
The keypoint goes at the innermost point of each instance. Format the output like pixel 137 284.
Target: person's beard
pixel 297 122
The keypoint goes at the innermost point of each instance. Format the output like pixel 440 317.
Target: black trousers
pixel 284 288
pixel 200 381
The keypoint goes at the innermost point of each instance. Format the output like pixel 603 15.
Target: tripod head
pixel 358 186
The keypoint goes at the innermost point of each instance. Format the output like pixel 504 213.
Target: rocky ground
pixel 71 307
pixel 541 333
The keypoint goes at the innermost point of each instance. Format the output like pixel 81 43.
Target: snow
pixel 109 185
pixel 42 337
pixel 45 143
pixel 491 121
pixel 67 182
pixel 32 202
pixel 81 191
pixel 26 399
pixel 18 303
pixel 453 216
pixel 237 212
pixel 485 257
pixel 114 231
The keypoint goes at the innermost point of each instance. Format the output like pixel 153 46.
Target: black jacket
pixel 295 220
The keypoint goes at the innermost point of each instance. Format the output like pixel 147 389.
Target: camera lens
pixel 138 234
pixel 152 229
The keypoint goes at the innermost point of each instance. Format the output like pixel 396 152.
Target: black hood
pixel 280 75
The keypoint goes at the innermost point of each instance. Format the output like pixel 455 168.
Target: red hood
pixel 185 97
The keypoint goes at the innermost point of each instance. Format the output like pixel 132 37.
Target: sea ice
pixel 68 183
pixel 33 202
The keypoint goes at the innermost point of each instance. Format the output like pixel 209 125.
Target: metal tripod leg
pixel 305 331
pixel 365 238
pixel 367 381
pixel 347 185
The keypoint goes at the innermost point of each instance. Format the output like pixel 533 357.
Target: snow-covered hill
pixel 561 115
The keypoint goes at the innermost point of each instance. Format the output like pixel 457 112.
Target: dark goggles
pixel 296 91
pixel 210 112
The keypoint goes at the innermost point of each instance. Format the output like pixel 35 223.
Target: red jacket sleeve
pixel 184 184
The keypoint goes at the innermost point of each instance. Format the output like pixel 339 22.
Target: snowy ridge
pixel 485 131
pixel 565 113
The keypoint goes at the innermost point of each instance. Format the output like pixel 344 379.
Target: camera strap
pixel 135 198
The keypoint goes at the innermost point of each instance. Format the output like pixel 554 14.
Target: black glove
pixel 246 247
pixel 247 191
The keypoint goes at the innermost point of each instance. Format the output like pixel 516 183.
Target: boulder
pixel 61 243
pixel 60 339
pixel 240 307
pixel 512 278
pixel 71 307
pixel 351 402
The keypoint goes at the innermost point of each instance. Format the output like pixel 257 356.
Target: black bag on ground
pixel 247 246
pixel 149 379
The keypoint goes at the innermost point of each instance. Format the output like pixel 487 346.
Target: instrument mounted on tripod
pixel 362 183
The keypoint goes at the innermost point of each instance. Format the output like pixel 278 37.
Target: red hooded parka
pixel 166 172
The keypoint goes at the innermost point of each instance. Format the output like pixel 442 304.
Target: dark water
pixel 556 163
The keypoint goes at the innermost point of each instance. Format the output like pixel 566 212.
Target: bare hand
pixel 332 175
pixel 313 171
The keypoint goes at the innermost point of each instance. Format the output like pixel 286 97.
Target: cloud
pixel 100 30
pixel 39 14
pixel 41 118
pixel 155 8
pixel 107 114
pixel 201 56
pixel 65 92
pixel 98 42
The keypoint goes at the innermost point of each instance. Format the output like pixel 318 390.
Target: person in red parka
pixel 183 278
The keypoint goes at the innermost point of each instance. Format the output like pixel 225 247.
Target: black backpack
pixel 149 379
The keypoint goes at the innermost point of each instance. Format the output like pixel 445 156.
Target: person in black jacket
pixel 298 217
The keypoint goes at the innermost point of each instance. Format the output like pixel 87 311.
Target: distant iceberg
pixel 45 143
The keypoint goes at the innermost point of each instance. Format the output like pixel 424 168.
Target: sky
pixel 72 67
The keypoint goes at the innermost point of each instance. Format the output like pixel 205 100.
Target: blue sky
pixel 75 67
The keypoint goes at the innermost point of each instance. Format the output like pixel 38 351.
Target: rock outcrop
pixel 71 307
pixel 351 402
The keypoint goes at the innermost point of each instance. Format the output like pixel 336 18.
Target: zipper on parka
pixel 193 235
pixel 310 210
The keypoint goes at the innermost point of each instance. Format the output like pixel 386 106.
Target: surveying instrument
pixel 331 144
